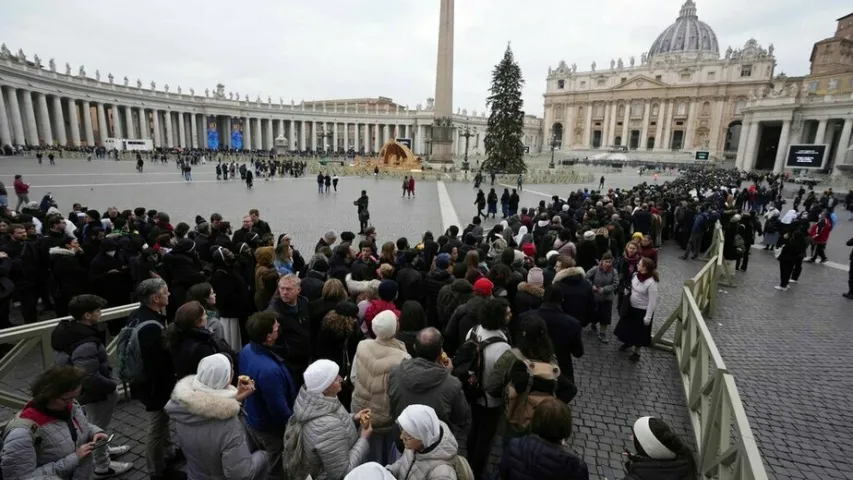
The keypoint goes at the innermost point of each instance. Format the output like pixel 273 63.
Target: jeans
pixel 4 200
pixel 100 414
pixel 188 176
pixel 694 245
pixel 319 188
pixel 728 271
pixel 22 199
pixel 273 444
pixel 158 442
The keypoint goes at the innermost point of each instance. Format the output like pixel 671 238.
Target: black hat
pixel 347 309
pixel 347 237
pixel 320 265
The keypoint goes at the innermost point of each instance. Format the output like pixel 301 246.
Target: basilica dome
pixel 687 36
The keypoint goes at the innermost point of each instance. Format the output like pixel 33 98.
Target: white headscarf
pixel 369 471
pixel 421 422
pixel 789 217
pixel 214 376
pixel 522 231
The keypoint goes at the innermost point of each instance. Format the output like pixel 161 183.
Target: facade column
pixel 302 143
pixel 820 136
pixel 144 129
pixel 377 133
pixel 843 144
pixel 614 116
pixel 247 133
pixel 605 125
pixel 5 131
pixel 59 123
pixel 659 126
pixel 587 131
pixel 346 137
pixel 128 117
pixel 667 125
pixel 30 114
pixel 227 142
pixel 751 145
pixel 566 141
pixel 87 124
pixel 335 136
pixel 741 144
pixel 155 123
pixel 45 119
pixel 626 119
pixel 182 131
pixel 782 149
pixel 644 132
pixel 170 137
pixel 366 137
pixel 313 136
pixel 74 122
pixel 691 126
pixel 17 119
pixel 103 128
pixel 270 139
pixel 194 134
pixel 259 134
pixel 116 122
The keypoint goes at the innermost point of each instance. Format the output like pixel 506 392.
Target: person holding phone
pixel 66 439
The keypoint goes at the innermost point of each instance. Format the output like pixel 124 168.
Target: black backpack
pixel 469 364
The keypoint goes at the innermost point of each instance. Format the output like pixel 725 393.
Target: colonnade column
pixel 605 125
pixel 346 137
pixel 5 131
pixel 644 132
pixel 247 134
pixel 751 144
pixel 144 129
pixel 74 122
pixel 302 144
pixel 87 124
pixel 782 148
pixel 59 122
pixel 30 114
pixel 335 136
pixel 366 137
pixel 170 137
pixel 194 129
pixel 103 128
pixel 614 117
pixel 128 117
pixel 376 135
pixel 259 137
pixel 821 132
pixel 17 120
pixel 116 122
pixel 44 119
pixel 155 123
pixel 182 131
pixel 270 139
pixel 741 145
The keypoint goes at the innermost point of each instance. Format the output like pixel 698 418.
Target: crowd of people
pixel 363 359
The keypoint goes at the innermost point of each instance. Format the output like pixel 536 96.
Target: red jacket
pixel 21 188
pixel 819 232
pixel 375 308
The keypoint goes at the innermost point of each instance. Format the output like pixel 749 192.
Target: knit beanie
pixel 442 261
pixel 654 439
pixel 529 249
pixel 384 325
pixel 388 290
pixel 536 277
pixel 483 287
pixel 320 265
pixel 319 375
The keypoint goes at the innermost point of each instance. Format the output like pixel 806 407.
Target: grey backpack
pixel 131 368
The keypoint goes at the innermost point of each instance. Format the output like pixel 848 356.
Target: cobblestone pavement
pixel 613 390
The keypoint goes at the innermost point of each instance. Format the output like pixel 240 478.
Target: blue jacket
pixel 532 458
pixel 269 408
pixel 699 223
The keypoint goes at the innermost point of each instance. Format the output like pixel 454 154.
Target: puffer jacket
pixel 532 458
pixel 578 299
pixel 57 451
pixel 212 436
pixel 644 468
pixel 434 463
pixel 419 381
pixel 608 282
pixel 81 345
pixel 330 438
pixel 374 360
pixel 358 287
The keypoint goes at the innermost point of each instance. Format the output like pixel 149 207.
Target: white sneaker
pixel 793 281
pixel 781 288
pixel 116 468
pixel 118 450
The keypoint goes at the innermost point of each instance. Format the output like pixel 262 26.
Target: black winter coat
pixel 435 280
pixel 451 296
pixel 412 285
pixel 181 270
pixel 532 458
pixel 587 255
pixel 233 298
pixel 156 389
pixel 465 318
pixel 565 332
pixel 69 275
pixel 294 344
pixel 190 347
pixel 644 468
pixel 578 299
pixel 312 285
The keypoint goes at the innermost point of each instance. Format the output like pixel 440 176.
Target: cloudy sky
pixel 367 48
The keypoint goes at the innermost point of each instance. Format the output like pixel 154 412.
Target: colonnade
pixel 750 137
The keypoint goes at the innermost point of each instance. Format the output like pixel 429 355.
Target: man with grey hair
pixel 329 239
pixel 294 343
pixel 156 389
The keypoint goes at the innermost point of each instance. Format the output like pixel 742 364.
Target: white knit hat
pixel 384 325
pixel 319 375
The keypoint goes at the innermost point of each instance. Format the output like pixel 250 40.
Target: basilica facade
pixel 680 95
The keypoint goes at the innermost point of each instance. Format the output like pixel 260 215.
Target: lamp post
pixel 428 142
pixel 467 132
pixel 553 147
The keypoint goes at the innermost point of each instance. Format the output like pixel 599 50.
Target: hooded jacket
pixel 435 281
pixel 81 345
pixel 330 439
pixel 578 299
pixel 464 318
pixel 357 287
pixel 532 458
pixel 419 381
pixel 212 436
pixel 450 297
pixel 69 273
pixel 435 462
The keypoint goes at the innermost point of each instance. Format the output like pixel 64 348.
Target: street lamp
pixel 553 147
pixel 467 132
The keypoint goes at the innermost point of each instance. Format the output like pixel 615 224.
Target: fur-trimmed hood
pixel 357 287
pixel 568 272
pixel 191 407
pixel 531 289
pixel 61 251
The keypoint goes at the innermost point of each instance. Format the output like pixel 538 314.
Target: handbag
pixel 625 307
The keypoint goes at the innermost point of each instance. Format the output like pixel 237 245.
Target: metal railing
pixel 726 446
pixel 27 337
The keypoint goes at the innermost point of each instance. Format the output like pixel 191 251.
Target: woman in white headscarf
pixel 369 471
pixel 522 231
pixel 772 229
pixel 205 407
pixel 431 449
pixel 322 439
pixel 789 217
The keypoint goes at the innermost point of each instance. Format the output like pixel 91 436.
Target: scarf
pixel 643 276
pixel 632 262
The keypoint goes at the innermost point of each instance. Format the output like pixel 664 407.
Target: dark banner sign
pixel 702 155
pixel 805 156
pixel 405 141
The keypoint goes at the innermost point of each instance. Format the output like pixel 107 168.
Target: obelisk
pixel 442 129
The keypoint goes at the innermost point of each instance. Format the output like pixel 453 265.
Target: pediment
pixel 640 82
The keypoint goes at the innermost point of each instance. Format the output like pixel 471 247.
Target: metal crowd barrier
pixel 726 445
pixel 28 337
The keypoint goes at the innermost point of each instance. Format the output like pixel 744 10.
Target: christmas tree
pixel 503 142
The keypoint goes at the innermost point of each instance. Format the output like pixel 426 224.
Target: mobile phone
pixel 101 443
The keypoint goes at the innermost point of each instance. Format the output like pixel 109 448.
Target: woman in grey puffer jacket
pixel 321 438
pixel 605 281
pixel 205 408
pixel 431 449
pixel 54 412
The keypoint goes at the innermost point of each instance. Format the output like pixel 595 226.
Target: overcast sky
pixel 366 48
